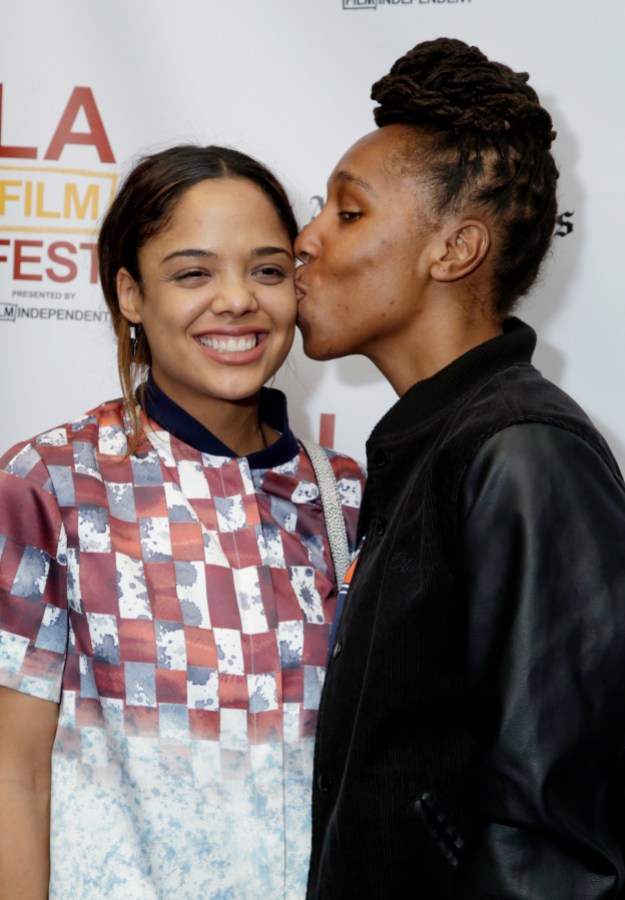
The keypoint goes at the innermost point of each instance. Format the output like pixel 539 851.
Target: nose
pixel 234 296
pixel 307 243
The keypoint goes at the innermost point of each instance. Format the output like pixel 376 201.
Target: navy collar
pixel 174 419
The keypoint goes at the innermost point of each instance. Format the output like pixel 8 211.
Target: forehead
pixel 236 198
pixel 375 156
pixel 232 214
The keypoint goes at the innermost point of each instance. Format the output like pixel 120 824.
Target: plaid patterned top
pixel 178 606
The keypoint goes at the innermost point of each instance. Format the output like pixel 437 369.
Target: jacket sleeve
pixel 542 578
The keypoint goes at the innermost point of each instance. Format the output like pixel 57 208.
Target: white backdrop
pixel 288 81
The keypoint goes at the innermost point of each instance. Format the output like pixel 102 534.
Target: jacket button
pixel 381 527
pixel 324 783
pixel 381 458
pixel 338 647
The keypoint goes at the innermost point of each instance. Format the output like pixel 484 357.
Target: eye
pixel 270 274
pixel 191 277
pixel 348 215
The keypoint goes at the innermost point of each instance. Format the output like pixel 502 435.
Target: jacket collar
pixel 431 397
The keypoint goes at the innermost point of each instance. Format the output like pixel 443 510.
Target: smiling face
pixel 366 257
pixel 216 299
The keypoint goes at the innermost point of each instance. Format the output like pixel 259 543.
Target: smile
pixel 229 344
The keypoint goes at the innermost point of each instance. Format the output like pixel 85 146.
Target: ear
pixel 461 251
pixel 129 296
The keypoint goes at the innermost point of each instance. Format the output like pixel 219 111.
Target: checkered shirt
pixel 178 606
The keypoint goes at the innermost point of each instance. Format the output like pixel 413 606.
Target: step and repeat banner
pixel 87 87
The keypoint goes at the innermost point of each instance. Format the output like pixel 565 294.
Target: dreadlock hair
pixel 143 207
pixel 486 145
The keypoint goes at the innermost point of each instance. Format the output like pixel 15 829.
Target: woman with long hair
pixel 167 584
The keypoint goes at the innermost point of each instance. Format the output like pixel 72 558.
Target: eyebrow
pixel 347 177
pixel 198 253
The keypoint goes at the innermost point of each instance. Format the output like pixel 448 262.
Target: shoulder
pixel 556 463
pixel 68 447
pixel 518 397
pixel 92 427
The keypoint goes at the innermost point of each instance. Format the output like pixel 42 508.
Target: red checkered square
pixel 20 616
pixel 233 693
pixel 285 599
pixel 315 650
pixel 200 647
pixel 62 455
pixel 171 686
pixel 114 470
pixel 252 513
pixel 71 673
pixel 222 600
pixel 89 491
pixel 293 685
pixel 187 541
pixel 125 537
pixel 150 501
pixel 204 724
pixel 206 513
pixel 110 680
pixel 137 641
pixel 160 579
pixel 225 481
pixel 241 548
pixel 260 652
pixel 98 580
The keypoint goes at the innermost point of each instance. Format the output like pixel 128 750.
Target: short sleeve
pixel 33 579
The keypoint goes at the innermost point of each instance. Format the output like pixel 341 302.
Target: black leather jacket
pixel 471 739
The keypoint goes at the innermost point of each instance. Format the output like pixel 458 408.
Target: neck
pixel 238 426
pixel 234 423
pixel 438 335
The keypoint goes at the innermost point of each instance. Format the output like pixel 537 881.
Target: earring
pixel 134 338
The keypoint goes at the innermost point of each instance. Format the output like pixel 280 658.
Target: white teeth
pixel 229 344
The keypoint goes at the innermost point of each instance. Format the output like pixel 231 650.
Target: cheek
pixel 282 309
pixel 359 261
pixel 173 313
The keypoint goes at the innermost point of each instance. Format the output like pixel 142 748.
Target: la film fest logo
pixel 49 212
pixel 373 4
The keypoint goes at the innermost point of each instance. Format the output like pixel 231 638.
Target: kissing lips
pixel 300 291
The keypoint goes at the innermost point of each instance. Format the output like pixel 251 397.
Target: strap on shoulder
pixel 332 508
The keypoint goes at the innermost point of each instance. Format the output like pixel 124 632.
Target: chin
pixel 321 354
pixel 313 347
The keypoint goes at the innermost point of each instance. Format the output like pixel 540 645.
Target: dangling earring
pixel 134 338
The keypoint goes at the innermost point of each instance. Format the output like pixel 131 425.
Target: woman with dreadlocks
pixel 472 727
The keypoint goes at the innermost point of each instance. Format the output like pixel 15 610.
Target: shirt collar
pixel 182 425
